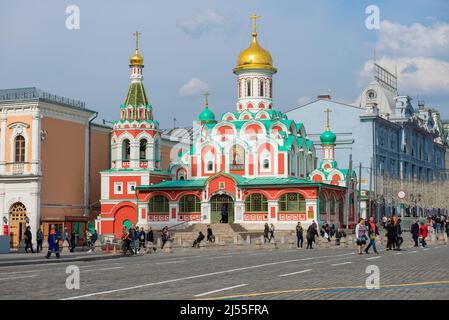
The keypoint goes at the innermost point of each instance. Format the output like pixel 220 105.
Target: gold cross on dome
pixel 206 95
pixel 136 38
pixel 327 111
pixel 254 17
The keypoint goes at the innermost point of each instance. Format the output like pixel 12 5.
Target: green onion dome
pixel 328 137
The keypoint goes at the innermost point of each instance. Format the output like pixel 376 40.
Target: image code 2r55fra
pixel 243 309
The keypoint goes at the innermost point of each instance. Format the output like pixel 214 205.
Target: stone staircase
pixel 223 232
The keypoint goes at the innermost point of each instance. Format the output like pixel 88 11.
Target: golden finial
pixel 327 111
pixel 206 96
pixel 254 17
pixel 136 59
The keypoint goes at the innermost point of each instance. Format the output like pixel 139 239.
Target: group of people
pixel 134 240
pixel 268 233
pixel 210 237
pixel 54 238
pixel 367 231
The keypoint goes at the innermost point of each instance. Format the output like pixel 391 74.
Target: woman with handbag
pixel 360 231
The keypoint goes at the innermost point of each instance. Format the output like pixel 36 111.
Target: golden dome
pixel 254 57
pixel 136 59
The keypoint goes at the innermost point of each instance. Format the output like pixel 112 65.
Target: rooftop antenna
pixel 174 123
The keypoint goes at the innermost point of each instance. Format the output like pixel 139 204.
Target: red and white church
pixel 253 161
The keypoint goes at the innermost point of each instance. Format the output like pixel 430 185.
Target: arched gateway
pixel 219 201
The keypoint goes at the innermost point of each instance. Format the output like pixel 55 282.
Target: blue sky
pixel 316 45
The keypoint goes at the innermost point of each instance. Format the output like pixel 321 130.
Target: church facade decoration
pixel 248 166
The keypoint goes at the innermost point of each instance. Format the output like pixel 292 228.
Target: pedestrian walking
pixel 65 237
pixel 135 238
pixel 414 230
pixel 299 235
pixel 165 236
pixel 88 237
pixel 196 243
pixel 53 242
pixel 398 235
pixel 72 241
pixel 210 235
pixel 390 233
pixel 312 231
pixel 150 240
pixel 28 240
pixel 271 233
pixel 142 239
pixel 39 239
pixel 94 239
pixel 126 239
pixel 373 231
pixel 423 232
pixel 360 232
pixel 384 222
pixel 266 231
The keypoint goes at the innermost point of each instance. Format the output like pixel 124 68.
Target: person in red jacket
pixel 423 234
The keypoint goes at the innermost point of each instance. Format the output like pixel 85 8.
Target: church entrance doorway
pixel 222 209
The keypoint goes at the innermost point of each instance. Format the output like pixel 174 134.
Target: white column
pixel 3 210
pixel 35 142
pixel 150 155
pixel 313 204
pixel 272 204
pixel 205 212
pixel 134 156
pixel 239 209
pixel 34 212
pixel 2 142
pixel 142 222
pixel 173 205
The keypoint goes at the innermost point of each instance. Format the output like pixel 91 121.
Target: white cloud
pixel 416 39
pixel 202 22
pixel 193 87
pixel 418 75
pixel 303 100
pixel 418 52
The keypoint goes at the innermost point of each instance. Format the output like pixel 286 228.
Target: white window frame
pixel 130 185
pixel 265 155
pixel 209 158
pixel 116 185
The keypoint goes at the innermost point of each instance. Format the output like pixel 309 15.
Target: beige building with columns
pixel 50 156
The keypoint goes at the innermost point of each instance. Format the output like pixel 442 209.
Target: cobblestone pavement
pixel 247 273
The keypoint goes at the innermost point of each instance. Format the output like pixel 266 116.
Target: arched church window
pixel 126 150
pixel 248 88
pixel 189 203
pixel 237 155
pixel 256 202
pixel 292 202
pixel 210 166
pixel 261 89
pixel 158 204
pixel 143 149
pixel 20 149
pixel 266 164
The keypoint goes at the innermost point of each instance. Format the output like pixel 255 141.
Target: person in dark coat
pixel 196 243
pixel 39 239
pixel 28 240
pixel 53 241
pixel 142 238
pixel 390 233
pixel 266 231
pixel 210 235
pixel 312 231
pixel 398 240
pixel 414 230
pixel 150 239
pixel 72 241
